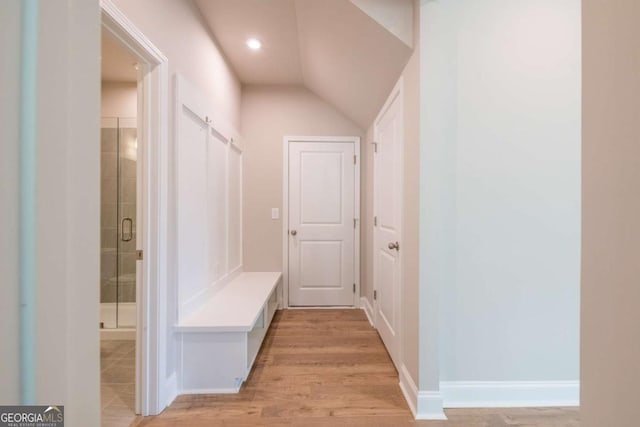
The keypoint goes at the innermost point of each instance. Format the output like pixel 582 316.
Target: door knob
pixel 395 246
pixel 294 232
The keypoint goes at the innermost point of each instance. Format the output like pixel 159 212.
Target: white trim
pixel 286 140
pixel 424 405
pixel 284 297
pixel 409 389
pixel 510 394
pixel 368 310
pixel 430 406
pixel 358 224
pixel 172 389
pixel 211 391
pixel 151 381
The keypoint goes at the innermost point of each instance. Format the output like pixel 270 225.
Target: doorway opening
pixel 140 208
pixel 119 199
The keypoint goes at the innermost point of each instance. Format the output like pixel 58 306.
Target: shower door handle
pixel 129 235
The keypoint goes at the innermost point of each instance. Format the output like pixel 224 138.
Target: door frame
pixel 286 142
pixel 152 391
pixel 397 94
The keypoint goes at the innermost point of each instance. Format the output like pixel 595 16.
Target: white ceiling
pixel 117 63
pixel 333 47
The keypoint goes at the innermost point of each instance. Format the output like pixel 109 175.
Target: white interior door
pixel 388 217
pixel 322 213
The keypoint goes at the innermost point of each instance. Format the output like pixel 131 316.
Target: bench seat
pixel 234 308
pixel 221 339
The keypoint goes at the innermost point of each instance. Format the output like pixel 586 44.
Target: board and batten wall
pixel 171 26
pixel 209 199
pixel 610 339
pixel 500 216
pixel 268 114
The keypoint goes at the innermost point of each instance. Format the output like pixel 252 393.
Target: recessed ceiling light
pixel 254 44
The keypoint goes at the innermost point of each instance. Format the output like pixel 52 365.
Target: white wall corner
pixel 171 390
pixel 510 394
pixel 368 309
pixel 424 405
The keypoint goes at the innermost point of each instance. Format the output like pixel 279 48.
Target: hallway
pixel 329 367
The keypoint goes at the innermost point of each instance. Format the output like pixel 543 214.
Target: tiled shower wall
pixel 118 201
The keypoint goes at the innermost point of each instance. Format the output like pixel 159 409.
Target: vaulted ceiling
pixel 349 53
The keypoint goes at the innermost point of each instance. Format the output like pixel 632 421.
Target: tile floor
pixel 117 386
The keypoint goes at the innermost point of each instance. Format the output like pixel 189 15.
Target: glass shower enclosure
pixel 118 222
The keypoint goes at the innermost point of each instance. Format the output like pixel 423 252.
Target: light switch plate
pixel 275 213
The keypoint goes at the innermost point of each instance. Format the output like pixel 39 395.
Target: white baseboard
pixel 424 405
pixel 509 394
pixel 172 389
pixel 408 388
pixel 368 310
pixel 211 391
pixel 430 406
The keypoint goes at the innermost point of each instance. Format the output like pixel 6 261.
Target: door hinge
pixel 354 222
pixel 375 147
pixel 375 295
pixel 354 288
pixel 354 159
pixel 375 221
pixel 139 255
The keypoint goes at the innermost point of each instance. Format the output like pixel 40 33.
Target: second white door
pixel 387 223
pixel 322 223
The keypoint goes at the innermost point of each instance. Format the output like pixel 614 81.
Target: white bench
pixel 220 340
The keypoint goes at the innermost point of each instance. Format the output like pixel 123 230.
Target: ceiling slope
pixel 346 56
pixel 394 15
pixel 348 59
pixel 273 22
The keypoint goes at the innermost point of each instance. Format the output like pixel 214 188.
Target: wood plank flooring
pixel 329 368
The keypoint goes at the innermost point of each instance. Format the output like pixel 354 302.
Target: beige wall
pixel 610 340
pixel 268 114
pixel 178 29
pixel 118 99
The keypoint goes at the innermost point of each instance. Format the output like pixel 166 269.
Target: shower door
pixel 118 223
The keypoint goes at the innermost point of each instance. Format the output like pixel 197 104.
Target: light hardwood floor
pixel 329 368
